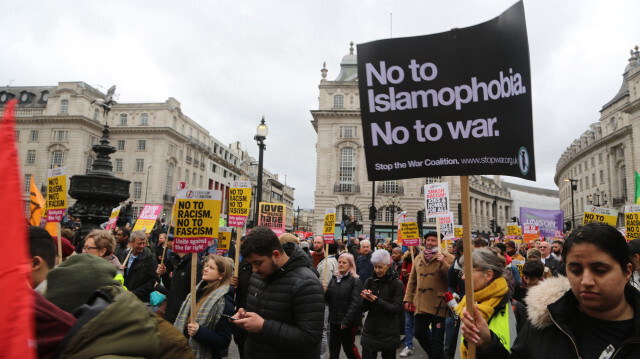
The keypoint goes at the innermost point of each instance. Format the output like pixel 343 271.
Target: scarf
pixel 429 253
pixel 487 298
pixel 207 316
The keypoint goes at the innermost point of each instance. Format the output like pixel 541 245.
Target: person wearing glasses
pixel 101 243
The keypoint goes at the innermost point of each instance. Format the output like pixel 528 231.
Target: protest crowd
pixel 127 294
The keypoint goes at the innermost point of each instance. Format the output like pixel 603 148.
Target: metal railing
pixel 346 188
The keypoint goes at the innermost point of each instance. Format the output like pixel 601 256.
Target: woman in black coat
pixel 343 297
pixel 382 294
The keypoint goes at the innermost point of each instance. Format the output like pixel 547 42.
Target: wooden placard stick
pixel 326 259
pixel 236 268
pixel 58 232
pixel 438 232
pixel 164 250
pixel 468 247
pixel 194 268
pixel 126 259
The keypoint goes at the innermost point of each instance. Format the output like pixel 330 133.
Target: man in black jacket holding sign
pixel 285 300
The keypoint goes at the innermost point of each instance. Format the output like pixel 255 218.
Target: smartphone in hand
pixel 228 317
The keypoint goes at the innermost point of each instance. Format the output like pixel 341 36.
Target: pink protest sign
pixel 113 218
pixel 147 218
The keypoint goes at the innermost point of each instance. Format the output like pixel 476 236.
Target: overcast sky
pixel 231 62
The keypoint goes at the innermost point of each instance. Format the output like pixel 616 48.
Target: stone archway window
pixel 347 169
pixel 57 158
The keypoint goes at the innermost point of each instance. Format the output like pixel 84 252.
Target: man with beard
pixel 556 249
pixel 427 283
pixel 122 241
pixel 318 250
pixel 285 301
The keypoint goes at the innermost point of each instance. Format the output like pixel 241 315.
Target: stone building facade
pixel 157 144
pixel 603 160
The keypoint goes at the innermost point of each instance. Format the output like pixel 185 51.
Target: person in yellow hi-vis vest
pixel 491 292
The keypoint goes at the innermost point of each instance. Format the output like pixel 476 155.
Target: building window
pixel 601 176
pixel 224 174
pixel 92 140
pixel 586 181
pixel 186 176
pixel 144 119
pixel 27 183
pixel 389 213
pixel 593 180
pixel 139 164
pixel 118 165
pixel 173 124
pixel 33 136
pixel 120 145
pixel 142 145
pixel 431 180
pixel 623 177
pixel 89 164
pixel 96 113
pixel 593 162
pixel 64 107
pixel 60 135
pixel 200 183
pixel 214 168
pixel 57 158
pixel 172 149
pixel 137 189
pixel 599 157
pixel 193 179
pixel 348 210
pixel 167 188
pixel 347 169
pixel 390 186
pixel 123 119
pixel 31 156
pixel 338 101
pixel 348 131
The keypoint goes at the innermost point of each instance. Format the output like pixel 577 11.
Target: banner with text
pixel 197 215
pixel 600 214
pixel 458 231
pixel 632 221
pixel 512 230
pixel 453 103
pixel 147 218
pixel 239 203
pixel 224 238
pixel 530 233
pixel 329 225
pixel 272 216
pixel 436 200
pixel 56 194
pixel 446 225
pixel 113 218
pixel 410 232
pixel 547 220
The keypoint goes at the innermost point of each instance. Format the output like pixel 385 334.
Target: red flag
pixel 16 302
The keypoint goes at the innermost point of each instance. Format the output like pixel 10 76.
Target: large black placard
pixel 454 103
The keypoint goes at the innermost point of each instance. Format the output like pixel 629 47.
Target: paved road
pixel 418 353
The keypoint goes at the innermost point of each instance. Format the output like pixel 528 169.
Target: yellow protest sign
pixel 56 202
pixel 224 238
pixel 329 225
pixel 239 203
pixel 458 231
pixel 600 214
pixel 512 230
pixel 147 218
pixel 198 212
pixel 272 215
pixel 113 218
pixel 410 232
pixel 632 221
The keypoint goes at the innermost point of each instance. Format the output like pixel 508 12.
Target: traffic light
pixel 372 213
pixel 420 218
pixel 567 226
pixel 498 229
pixel 514 219
pixel 492 225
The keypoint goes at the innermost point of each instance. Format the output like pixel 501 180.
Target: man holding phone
pixel 285 300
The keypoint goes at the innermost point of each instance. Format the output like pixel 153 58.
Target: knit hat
pixel 67 247
pixel 73 282
pixel 510 244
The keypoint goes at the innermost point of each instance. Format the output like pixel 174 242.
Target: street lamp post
pixel 574 186
pixel 146 187
pixel 261 135
pixel 597 197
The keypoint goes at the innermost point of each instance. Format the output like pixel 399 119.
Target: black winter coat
pixel 291 301
pixel 344 300
pixel 141 278
pixel 547 335
pixel 177 279
pixel 381 329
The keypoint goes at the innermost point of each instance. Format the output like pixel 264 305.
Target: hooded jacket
pixel 291 302
pixel 381 329
pixel 428 283
pixel 344 300
pixel 551 306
